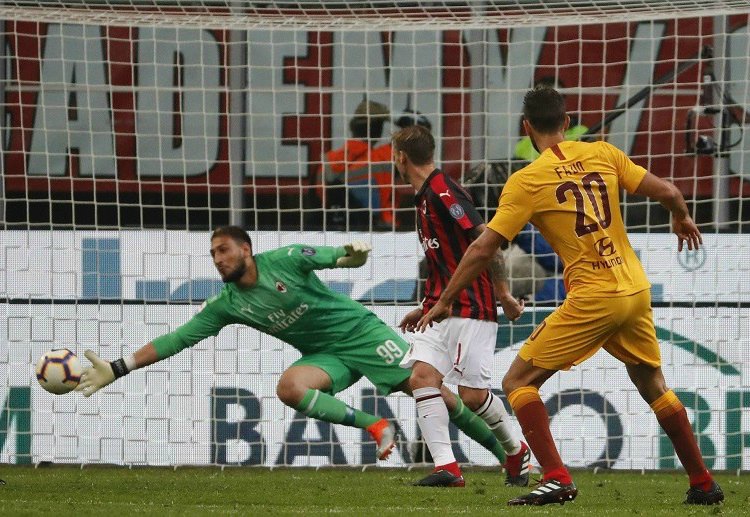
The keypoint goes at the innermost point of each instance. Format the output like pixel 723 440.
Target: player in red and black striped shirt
pixel 446 223
pixel 459 349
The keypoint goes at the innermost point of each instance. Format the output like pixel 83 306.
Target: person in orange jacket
pixel 356 184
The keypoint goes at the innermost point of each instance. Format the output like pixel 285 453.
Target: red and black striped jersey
pixel 445 218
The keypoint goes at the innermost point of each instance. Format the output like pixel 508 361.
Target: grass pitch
pixel 61 490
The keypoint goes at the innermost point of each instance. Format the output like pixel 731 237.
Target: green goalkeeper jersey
pixel 288 301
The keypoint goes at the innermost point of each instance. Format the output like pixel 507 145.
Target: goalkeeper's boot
pixel 697 496
pixel 548 492
pixel 517 467
pixel 384 435
pixel 442 478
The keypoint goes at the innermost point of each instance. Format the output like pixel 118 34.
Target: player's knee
pixel 417 381
pixel 424 376
pixel 290 392
pixel 510 384
pixel 649 382
pixel 472 398
pixel 651 388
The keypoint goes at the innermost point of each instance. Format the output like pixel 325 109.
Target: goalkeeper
pixel 278 293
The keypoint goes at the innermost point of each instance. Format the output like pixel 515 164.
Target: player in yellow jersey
pixel 571 193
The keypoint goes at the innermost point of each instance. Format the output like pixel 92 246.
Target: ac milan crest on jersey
pixel 280 286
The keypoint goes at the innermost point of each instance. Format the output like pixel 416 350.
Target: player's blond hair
pixel 417 142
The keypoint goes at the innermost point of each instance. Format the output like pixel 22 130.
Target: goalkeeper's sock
pixel 323 406
pixel 494 414
pixel 432 418
pixel 476 429
pixel 673 419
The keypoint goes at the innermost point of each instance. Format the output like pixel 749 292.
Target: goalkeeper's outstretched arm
pixel 208 322
pixel 310 258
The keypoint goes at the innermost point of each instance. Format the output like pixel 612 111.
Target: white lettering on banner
pixel 359 71
pixel 739 69
pixel 73 116
pixel 416 72
pixel 639 74
pixel 175 423
pixel 303 87
pixel 270 97
pixel 507 83
pixel 178 102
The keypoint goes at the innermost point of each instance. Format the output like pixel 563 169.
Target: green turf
pixel 62 490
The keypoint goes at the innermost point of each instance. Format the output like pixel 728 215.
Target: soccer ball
pixel 58 371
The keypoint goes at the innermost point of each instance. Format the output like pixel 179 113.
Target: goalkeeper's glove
pixel 100 374
pixel 356 254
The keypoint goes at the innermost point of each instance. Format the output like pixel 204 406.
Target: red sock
pixel 535 426
pixel 678 428
pixel 453 468
pixel 560 474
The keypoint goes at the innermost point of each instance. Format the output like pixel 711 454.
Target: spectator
pixel 357 179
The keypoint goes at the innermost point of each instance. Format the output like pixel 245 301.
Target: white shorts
pixel 461 349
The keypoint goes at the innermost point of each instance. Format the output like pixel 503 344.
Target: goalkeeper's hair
pixel 234 232
pixel 544 108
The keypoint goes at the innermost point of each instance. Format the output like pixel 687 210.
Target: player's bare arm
pixel 671 198
pixel 496 268
pixel 480 253
pixel 499 274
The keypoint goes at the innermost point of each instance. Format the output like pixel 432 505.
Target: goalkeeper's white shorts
pixel 461 349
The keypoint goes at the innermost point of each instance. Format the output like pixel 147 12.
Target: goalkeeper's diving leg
pixel 306 388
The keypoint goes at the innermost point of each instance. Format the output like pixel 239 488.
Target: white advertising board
pixel 176 266
pixel 216 403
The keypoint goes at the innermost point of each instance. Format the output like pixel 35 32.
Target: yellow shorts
pixel 623 326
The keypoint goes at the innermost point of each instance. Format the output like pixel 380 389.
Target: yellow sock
pixel 518 398
pixel 667 404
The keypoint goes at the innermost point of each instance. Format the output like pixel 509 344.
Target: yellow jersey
pixel 571 193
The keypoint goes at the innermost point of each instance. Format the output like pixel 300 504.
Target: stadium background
pixel 125 143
